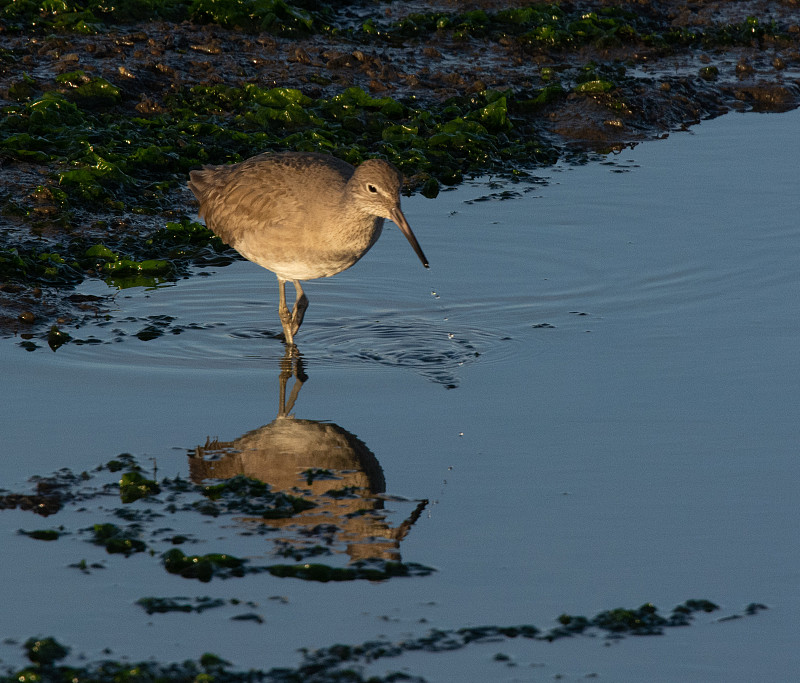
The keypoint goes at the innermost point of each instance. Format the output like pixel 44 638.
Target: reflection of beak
pixel 398 217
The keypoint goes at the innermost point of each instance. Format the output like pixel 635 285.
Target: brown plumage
pixel 300 215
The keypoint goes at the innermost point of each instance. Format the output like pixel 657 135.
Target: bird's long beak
pixel 405 228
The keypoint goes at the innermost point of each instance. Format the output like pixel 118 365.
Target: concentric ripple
pixel 229 322
pixel 435 351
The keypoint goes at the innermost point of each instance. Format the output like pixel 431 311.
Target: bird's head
pixel 376 188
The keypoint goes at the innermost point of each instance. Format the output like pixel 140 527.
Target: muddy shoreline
pixel 426 84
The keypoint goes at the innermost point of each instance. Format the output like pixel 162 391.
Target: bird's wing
pixel 243 201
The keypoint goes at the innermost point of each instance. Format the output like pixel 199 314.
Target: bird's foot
pixel 288 326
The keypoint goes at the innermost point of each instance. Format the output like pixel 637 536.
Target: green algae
pixel 594 87
pixel 251 497
pixel 369 570
pixel 248 616
pixel 224 566
pixel 336 662
pixel 101 164
pixel 45 651
pixel 203 567
pixel 154 605
pixel 239 499
pixel 57 338
pixel 277 16
pixel 22 89
pixel 553 27
pixel 645 620
pixel 91 91
pixel 125 460
pixel 42 534
pixel 133 486
pixel 101 156
pixel 642 621
pixel 164 255
pixel 355 126
pixel 116 540
pixel 541 25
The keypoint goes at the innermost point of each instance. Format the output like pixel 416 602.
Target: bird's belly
pixel 310 265
pixel 308 256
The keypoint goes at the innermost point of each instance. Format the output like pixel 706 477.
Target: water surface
pixel 594 388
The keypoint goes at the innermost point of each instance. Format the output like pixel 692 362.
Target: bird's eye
pixel 372 189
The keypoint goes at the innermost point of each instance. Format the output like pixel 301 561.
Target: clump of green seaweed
pixel 156 605
pixel 203 567
pixel 43 534
pixel 117 540
pixel 133 486
pixel 163 255
pixel 107 155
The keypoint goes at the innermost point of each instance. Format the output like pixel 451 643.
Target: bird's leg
pixel 287 365
pixel 300 306
pixel 291 366
pixel 299 379
pixel 283 312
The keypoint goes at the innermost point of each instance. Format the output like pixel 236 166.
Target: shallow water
pixel 594 388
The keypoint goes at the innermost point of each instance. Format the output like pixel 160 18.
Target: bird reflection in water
pixel 322 463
